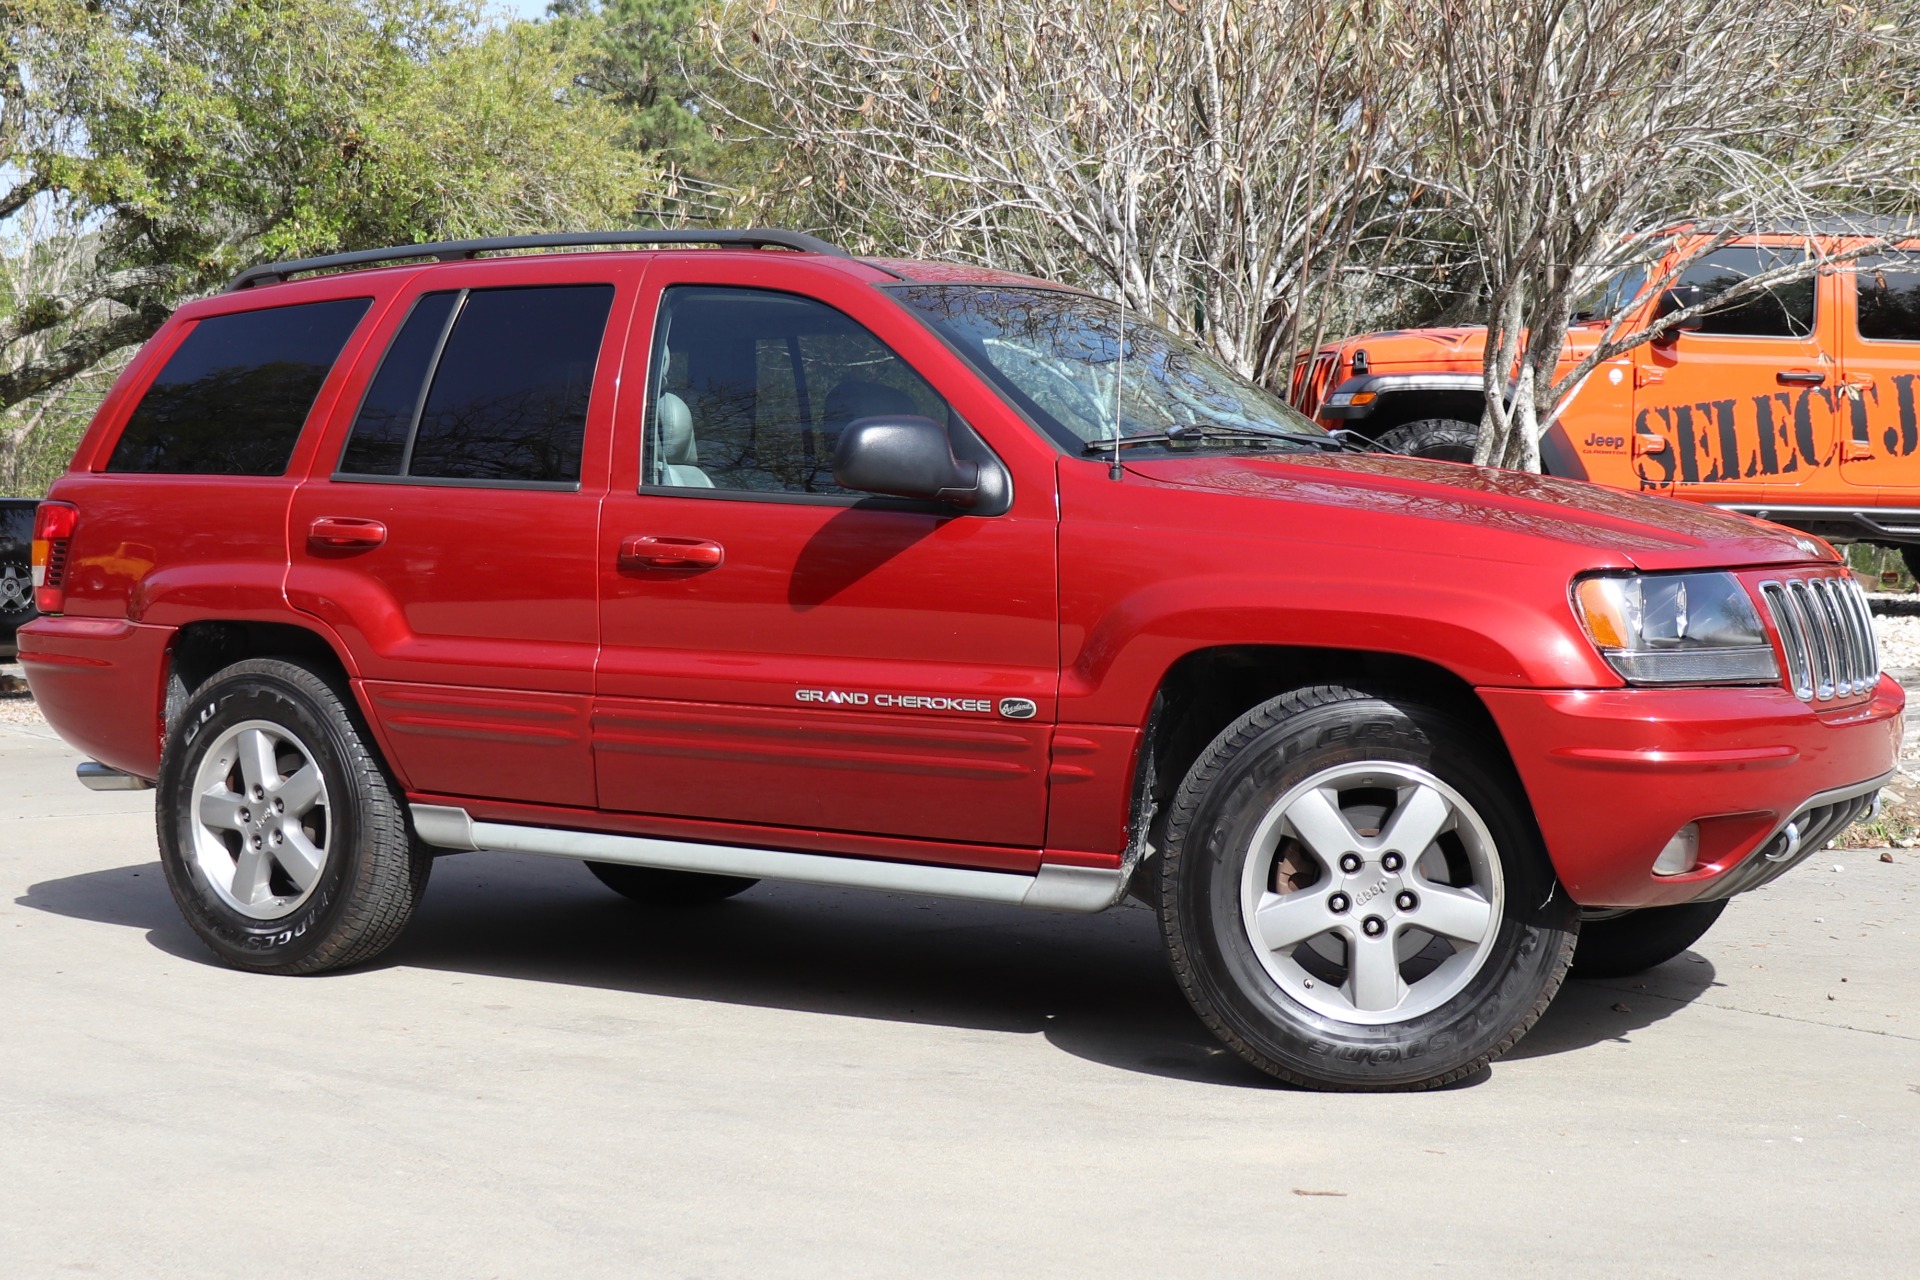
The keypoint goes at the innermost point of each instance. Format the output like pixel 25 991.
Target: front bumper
pixel 1614 774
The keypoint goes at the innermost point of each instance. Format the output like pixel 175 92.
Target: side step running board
pixel 1055 888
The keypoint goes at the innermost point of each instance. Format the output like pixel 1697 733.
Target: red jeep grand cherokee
pixel 704 565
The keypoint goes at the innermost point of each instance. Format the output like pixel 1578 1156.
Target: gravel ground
pixel 1899 641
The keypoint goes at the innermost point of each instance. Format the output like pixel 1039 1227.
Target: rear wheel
pixel 659 887
pixel 1354 897
pixel 1441 439
pixel 282 836
pixel 1614 946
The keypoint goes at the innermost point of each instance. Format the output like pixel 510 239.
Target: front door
pixel 1879 366
pixel 1747 401
pixel 451 546
pixel 780 653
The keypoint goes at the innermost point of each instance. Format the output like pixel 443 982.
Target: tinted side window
pixel 1889 291
pixel 506 375
pixel 509 398
pixel 752 389
pixel 233 396
pixel 378 444
pixel 1781 311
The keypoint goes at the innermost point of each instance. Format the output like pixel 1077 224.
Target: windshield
pixel 1055 354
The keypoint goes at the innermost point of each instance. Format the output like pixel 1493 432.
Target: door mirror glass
pixel 904 457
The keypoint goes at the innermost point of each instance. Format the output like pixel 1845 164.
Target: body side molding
pixel 1054 888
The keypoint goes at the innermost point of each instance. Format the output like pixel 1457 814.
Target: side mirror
pixel 1677 299
pixel 904 457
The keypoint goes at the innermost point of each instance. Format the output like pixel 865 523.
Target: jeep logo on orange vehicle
pixel 1770 434
pixel 1604 444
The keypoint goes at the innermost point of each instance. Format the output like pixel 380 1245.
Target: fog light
pixel 1681 852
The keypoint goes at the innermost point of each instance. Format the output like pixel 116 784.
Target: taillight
pixel 53 524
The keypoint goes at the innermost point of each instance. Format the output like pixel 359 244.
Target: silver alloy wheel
pixel 1372 892
pixel 261 823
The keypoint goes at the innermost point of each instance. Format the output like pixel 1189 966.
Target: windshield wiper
pixel 1190 432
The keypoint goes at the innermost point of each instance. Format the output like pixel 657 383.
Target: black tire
pixel 1440 439
pixel 1615 946
pixel 659 887
pixel 1280 749
pixel 1910 556
pixel 371 872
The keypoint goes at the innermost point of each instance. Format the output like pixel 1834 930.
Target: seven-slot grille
pixel 1827 635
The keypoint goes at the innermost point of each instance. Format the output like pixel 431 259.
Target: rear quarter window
pixel 233 396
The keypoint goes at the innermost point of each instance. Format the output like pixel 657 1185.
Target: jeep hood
pixel 1480 507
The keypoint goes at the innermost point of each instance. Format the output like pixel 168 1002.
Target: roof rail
pixel 460 250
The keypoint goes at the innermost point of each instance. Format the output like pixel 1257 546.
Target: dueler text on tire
pixel 660 887
pixel 1354 894
pixel 283 838
pixel 1634 941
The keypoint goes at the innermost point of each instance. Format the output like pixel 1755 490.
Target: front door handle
pixel 1800 377
pixel 345 533
pixel 648 551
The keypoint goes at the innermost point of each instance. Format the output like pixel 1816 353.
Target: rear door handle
pixel 649 551
pixel 345 533
pixel 1800 377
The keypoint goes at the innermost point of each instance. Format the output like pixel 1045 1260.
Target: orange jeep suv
pixel 1795 404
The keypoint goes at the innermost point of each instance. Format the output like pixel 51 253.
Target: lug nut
pixel 1349 862
pixel 1406 900
pixel 1338 903
pixel 1373 926
pixel 279 806
pixel 258 843
pixel 259 792
pixel 246 815
pixel 278 837
pixel 1393 862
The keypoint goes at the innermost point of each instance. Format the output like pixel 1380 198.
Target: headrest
pixel 851 400
pixel 677 447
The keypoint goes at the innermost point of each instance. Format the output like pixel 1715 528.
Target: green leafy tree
pixel 149 148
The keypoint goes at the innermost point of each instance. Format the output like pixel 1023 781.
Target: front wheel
pixel 1354 896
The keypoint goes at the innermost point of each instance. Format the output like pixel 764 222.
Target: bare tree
pixel 1578 138
pixel 1217 163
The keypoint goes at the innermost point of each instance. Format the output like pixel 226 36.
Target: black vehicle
pixel 16 570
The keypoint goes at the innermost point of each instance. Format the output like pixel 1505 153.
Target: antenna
pixel 1119 358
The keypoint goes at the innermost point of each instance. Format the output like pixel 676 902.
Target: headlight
pixel 1682 628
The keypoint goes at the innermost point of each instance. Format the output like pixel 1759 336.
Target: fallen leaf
pixel 1302 1191
pixel 1829 995
pixel 1621 1008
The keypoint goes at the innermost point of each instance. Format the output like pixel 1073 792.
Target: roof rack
pixel 461 250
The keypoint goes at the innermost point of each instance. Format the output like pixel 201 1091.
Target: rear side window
pixel 486 385
pixel 233 396
pixel 1889 293
pixel 1783 310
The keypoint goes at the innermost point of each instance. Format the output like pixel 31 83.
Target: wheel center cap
pixel 1370 883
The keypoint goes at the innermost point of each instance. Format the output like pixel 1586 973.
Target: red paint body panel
pixel 1657 759
pixel 101 682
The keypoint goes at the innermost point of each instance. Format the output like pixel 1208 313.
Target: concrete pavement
pixel 542 1080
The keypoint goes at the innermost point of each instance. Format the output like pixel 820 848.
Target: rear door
pixel 1879 363
pixel 778 652
pixel 450 547
pixel 1747 402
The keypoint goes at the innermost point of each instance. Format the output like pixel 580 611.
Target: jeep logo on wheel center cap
pixel 1018 708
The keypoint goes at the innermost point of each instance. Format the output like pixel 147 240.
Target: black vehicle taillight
pixel 53 525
